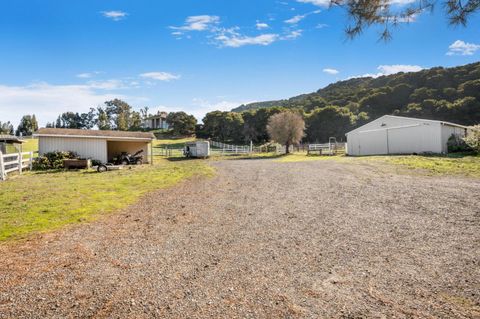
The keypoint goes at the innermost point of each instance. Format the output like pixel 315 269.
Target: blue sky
pixel 198 56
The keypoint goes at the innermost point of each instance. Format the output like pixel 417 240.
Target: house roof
pixel 64 132
pixel 409 118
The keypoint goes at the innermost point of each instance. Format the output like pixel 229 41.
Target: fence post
pixel 30 164
pixel 2 168
pixel 20 163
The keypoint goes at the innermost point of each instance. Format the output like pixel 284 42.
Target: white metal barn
pixel 94 144
pixel 402 135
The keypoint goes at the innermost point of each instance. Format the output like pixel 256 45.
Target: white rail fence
pixel 222 148
pixel 15 162
pixel 328 148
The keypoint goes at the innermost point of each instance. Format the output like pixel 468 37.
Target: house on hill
pixel 94 144
pixel 155 122
pixel 402 135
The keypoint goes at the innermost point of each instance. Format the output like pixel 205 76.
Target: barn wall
pixel 422 138
pixel 447 131
pixel 92 148
pixel 412 137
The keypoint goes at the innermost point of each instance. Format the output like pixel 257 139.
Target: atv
pixel 128 159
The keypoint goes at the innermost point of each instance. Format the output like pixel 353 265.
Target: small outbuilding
pixel 402 135
pixel 10 140
pixel 94 144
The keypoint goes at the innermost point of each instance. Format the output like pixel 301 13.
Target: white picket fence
pixel 15 162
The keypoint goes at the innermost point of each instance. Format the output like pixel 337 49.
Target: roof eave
pixel 96 137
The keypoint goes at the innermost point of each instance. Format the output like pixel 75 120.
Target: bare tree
pixel 286 128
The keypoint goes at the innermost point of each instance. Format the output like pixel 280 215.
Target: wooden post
pixel 151 153
pixel 30 164
pixel 20 164
pixel 2 168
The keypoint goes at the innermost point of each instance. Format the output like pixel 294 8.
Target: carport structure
pixel 95 144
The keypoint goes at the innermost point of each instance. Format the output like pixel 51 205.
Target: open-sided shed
pixel 402 135
pixel 94 144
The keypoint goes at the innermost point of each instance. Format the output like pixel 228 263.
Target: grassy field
pixel 468 165
pixel 38 202
pixel 453 164
pixel 173 143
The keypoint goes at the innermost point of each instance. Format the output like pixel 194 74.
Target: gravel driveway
pixel 319 239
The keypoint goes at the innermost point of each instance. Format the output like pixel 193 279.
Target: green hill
pixel 451 94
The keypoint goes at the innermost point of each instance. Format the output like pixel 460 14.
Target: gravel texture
pixel 263 240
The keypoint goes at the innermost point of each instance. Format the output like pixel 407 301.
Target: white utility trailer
pixel 197 149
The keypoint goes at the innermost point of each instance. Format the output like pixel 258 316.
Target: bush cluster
pixel 52 160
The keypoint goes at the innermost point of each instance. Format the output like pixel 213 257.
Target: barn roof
pixel 409 118
pixel 64 132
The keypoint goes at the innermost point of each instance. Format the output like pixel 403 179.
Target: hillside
pixel 438 93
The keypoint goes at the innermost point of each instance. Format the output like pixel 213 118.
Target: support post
pixel 151 153
pixel 30 164
pixel 2 168
pixel 20 164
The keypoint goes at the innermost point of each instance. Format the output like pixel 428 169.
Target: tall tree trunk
pixel 287 146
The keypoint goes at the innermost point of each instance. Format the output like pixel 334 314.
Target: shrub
pixel 473 138
pixel 52 160
pixel 456 144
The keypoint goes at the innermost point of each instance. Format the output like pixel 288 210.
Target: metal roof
pixel 410 118
pixel 63 132
pixel 11 139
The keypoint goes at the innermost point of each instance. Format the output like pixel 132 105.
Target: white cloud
pixel 292 35
pixel 261 26
pixel 198 23
pixel 395 68
pixel 401 2
pixel 87 75
pixel 331 71
pixel 112 84
pixel 47 101
pixel 200 106
pixel 460 47
pixel 160 76
pixel 321 26
pixel 84 75
pixel 114 15
pixel 318 3
pixel 296 19
pixel 231 38
pixel 390 69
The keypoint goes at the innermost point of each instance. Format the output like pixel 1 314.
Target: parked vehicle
pixel 128 159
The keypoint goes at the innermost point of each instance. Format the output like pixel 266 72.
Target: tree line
pixel 447 94
pixel 113 115
pixel 321 124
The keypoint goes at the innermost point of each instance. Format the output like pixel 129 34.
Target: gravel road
pixel 320 239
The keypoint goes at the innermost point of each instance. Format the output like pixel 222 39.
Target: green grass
pixel 466 165
pixel 173 143
pixel 39 202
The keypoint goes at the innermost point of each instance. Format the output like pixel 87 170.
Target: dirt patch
pixel 263 240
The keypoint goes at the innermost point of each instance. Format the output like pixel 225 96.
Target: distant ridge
pixel 400 93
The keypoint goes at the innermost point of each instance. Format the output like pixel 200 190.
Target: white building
pixel 94 144
pixel 402 135
pixel 155 122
